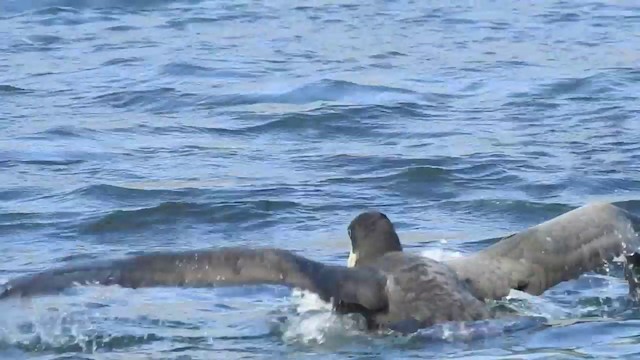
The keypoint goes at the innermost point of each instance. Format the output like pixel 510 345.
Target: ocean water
pixel 130 126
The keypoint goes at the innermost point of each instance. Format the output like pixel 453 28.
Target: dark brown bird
pixel 391 288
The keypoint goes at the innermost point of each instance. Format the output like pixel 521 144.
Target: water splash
pixel 314 323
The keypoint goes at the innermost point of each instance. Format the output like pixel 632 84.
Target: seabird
pixel 391 288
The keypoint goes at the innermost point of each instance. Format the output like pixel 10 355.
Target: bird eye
pixel 349 232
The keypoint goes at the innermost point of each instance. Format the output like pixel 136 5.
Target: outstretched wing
pixel 207 268
pixel 557 250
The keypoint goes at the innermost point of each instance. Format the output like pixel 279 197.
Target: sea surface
pixel 141 125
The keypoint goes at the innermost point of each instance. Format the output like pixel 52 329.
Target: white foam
pixel 315 322
pixel 537 305
pixel 314 318
pixel 49 324
pixel 308 301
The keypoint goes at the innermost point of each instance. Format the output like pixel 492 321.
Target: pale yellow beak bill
pixel 353 257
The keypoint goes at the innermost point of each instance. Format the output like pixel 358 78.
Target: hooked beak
pixel 353 257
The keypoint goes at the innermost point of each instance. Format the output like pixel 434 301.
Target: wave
pixel 333 100
pixel 172 212
pixel 604 84
pixel 121 193
pixel 69 6
pixel 517 211
pixel 6 90
pixel 154 100
pixel 57 331
pixel 340 120
pixel 65 131
pixel 81 343
pixel 324 122
pixel 19 222
pixel 55 10
pixel 122 28
pixel 46 158
pixel 336 90
pixel 174 190
pixel 236 17
pixel 447 172
pixel 23 221
pixel 71 19
pixel 630 205
pixel 343 120
pixel 187 69
pixel 122 61
pixel 49 156
pixel 21 192
pixel 333 91
pixel 51 162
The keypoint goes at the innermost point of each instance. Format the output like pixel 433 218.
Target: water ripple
pixel 122 61
pixel 321 91
pixel 7 90
pixel 122 28
pixel 46 5
pixel 186 69
pixel 156 100
pixel 173 212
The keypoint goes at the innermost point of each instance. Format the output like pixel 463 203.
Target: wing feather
pixel 557 250
pixel 208 268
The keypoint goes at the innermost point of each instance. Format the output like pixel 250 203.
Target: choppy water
pixel 156 124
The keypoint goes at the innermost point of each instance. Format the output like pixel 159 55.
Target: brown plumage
pixel 557 250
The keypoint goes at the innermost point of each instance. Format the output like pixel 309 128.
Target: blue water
pixel 128 126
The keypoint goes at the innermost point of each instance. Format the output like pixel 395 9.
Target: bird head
pixel 372 235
